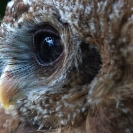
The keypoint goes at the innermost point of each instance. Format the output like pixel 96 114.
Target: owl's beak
pixel 7 88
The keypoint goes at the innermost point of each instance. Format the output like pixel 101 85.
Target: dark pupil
pixel 48 49
pixel 48 46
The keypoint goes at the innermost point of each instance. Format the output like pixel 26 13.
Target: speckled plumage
pixel 90 89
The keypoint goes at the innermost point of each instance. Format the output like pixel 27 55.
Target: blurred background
pixel 3 4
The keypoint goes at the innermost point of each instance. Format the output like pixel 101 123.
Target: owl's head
pixel 67 62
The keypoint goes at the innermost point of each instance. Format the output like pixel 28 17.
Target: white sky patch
pixel 20 20
pixel 27 2
pixel 12 9
pixel 131 17
pixel 88 10
pixel 10 4
pixel 31 9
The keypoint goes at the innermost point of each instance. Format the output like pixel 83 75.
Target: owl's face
pixel 61 60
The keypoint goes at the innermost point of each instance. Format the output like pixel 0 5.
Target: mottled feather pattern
pixel 89 88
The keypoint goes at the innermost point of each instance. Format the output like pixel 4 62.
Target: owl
pixel 66 66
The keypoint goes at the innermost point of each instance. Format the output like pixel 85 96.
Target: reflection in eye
pixel 50 41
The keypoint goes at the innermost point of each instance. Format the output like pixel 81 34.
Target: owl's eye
pixel 48 46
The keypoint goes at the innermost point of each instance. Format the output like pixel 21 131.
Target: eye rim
pixel 54 33
pixel 51 63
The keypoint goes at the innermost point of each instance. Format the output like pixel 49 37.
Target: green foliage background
pixel 3 4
